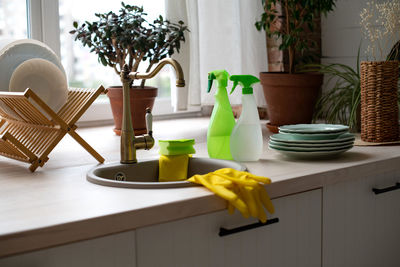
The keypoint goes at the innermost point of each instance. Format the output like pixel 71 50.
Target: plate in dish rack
pixel 43 78
pixel 15 53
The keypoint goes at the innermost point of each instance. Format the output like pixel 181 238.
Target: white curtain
pixel 222 36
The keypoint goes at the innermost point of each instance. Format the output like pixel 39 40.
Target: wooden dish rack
pixel 30 129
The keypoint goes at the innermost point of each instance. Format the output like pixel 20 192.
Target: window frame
pixel 44 22
pixel 44 25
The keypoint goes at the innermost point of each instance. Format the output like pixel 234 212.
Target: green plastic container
pixel 222 120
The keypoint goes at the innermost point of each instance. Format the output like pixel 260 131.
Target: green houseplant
pixel 128 38
pixel 340 103
pixel 291 96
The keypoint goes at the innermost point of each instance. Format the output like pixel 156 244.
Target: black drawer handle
pixel 387 189
pixel 224 231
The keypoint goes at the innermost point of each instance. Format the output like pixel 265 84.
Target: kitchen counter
pixel 56 205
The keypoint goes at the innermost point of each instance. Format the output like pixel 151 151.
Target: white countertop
pixel 56 205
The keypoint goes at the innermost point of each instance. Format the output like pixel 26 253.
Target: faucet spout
pixel 180 80
pixel 130 143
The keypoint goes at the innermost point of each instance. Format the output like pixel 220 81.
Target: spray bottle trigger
pixel 235 83
pixel 211 77
pixel 210 82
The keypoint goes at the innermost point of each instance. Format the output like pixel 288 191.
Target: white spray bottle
pixel 246 141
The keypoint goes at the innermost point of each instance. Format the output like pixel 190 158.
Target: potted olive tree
pixel 290 95
pixel 128 38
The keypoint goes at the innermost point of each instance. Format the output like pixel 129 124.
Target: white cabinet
pixel 350 224
pixel 361 228
pixel 111 251
pixel 293 241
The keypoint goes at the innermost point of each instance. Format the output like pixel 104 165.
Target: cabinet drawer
pixel 116 250
pixel 361 221
pixel 293 241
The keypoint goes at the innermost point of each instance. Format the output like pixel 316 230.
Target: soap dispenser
pixel 222 120
pixel 246 141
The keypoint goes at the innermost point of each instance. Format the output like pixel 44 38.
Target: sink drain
pixel 120 176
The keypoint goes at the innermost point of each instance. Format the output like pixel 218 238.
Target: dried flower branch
pixel 380 24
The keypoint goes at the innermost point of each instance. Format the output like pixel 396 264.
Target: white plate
pixel 308 149
pixel 44 78
pixel 312 155
pixel 313 128
pixel 288 138
pixel 327 145
pixel 13 54
pixel 5 42
pixel 8 110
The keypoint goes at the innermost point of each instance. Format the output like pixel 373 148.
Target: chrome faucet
pixel 129 142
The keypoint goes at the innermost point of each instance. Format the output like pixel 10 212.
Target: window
pixel 39 19
pixel 15 26
pixel 82 67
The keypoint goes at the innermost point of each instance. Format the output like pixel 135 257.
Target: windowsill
pixel 100 114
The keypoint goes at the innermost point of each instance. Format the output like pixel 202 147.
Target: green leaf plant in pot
pixel 291 96
pixel 340 103
pixel 128 38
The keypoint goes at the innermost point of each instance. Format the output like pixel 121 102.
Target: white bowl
pixel 44 78
pixel 14 53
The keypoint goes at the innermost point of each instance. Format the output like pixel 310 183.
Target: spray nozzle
pixel 235 83
pixel 246 81
pixel 211 77
pixel 220 75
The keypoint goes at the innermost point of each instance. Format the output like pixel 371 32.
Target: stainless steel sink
pixel 144 174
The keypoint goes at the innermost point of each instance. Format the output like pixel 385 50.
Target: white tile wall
pixel 341 33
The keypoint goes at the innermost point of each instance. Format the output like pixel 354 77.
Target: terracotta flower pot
pixel 290 97
pixel 140 99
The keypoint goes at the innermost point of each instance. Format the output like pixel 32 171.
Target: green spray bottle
pixel 222 120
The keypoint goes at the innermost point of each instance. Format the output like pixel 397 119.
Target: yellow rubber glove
pixel 244 191
pixel 222 188
pixel 256 199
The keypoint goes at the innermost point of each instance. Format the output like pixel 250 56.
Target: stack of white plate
pixel 312 140
pixel 28 63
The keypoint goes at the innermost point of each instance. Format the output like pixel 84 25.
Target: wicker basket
pixel 379 107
